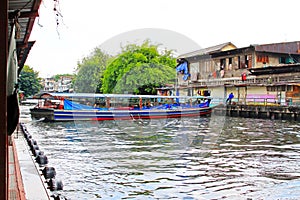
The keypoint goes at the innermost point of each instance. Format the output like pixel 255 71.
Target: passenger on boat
pixel 149 104
pixel 191 102
pixel 49 104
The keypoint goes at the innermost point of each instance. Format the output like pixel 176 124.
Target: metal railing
pixel 260 101
pixel 249 80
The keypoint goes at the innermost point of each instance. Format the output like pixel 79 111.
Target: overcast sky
pixel 180 25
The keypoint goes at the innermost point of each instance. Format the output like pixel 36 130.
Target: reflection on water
pixel 190 158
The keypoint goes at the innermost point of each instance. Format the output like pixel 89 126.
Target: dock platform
pixel 259 111
pixel 25 181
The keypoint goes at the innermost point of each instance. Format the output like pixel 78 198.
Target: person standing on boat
pixel 230 97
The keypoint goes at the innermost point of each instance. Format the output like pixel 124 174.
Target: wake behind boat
pixel 85 106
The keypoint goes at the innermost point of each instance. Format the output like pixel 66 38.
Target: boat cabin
pixel 69 101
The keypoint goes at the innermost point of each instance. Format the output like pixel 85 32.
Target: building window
pixel 282 60
pixel 263 59
pixel 246 61
pixel 229 67
pixel 288 60
pixel 223 63
pixel 229 61
pixel 280 88
pixel 242 62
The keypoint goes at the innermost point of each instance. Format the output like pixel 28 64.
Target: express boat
pixel 86 106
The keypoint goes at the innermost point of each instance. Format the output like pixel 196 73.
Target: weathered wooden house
pixel 268 72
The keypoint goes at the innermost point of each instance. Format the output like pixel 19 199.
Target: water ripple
pixel 174 158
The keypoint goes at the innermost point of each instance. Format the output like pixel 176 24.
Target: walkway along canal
pixel 260 111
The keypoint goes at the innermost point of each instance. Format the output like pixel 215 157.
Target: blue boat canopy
pixel 98 95
pixel 70 105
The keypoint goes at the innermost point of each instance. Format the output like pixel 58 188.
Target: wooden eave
pixel 227 53
pixel 289 68
pixel 24 13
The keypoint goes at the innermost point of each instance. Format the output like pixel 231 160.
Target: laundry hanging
pixel 183 69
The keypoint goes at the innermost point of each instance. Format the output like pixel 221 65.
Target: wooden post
pixel 246 96
pixel 3 120
pixel 108 102
pixel 141 103
pixel 256 112
pixel 280 115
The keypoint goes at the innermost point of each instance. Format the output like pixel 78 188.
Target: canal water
pixel 213 157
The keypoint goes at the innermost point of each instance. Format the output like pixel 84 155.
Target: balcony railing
pixel 260 101
pixel 250 80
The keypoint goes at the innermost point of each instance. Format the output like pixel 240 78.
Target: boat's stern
pixel 46 114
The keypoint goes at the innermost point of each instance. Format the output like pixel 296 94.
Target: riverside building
pixel 257 74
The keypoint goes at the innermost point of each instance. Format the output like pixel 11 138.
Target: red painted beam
pixel 31 14
pixel 3 120
pixel 35 7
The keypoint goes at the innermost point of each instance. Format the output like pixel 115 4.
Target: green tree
pixel 139 70
pixel 90 72
pixel 29 81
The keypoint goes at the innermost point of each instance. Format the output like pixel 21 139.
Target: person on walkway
pixel 230 97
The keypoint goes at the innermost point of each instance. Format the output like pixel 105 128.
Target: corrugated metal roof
pixel 22 13
pixel 284 47
pixel 208 50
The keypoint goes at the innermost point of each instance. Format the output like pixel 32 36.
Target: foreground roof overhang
pixel 22 14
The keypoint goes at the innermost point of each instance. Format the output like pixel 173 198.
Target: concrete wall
pixel 217 92
pixel 183 92
pixel 256 90
pixel 273 60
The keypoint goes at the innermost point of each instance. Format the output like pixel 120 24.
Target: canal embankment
pixel 32 184
pixel 280 112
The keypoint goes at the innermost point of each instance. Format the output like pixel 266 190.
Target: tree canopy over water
pixel 139 70
pixel 90 71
